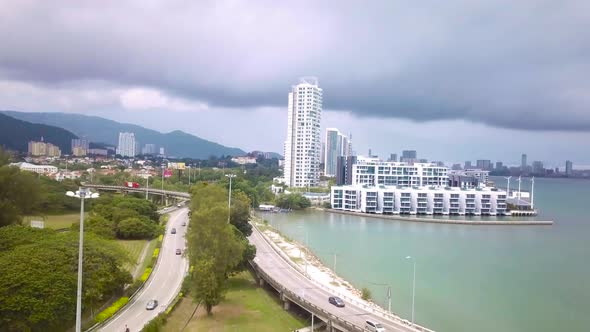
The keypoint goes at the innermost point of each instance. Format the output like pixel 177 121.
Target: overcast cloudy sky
pixel 454 80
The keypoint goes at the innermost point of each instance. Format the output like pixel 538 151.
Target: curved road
pixel 164 283
pixel 274 265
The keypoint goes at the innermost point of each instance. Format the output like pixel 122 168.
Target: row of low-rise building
pixel 419 200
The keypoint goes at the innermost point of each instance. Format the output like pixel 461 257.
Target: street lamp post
pixel 82 193
pixel 147 186
pixel 230 176
pixel 413 286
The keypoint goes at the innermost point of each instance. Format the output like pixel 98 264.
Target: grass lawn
pixel 245 308
pixel 55 221
pixel 134 249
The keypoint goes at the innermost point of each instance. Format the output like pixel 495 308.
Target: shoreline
pixel 444 221
pixel 314 269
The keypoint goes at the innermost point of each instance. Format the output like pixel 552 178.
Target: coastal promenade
pixel 445 221
pixel 295 288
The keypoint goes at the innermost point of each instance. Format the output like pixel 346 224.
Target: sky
pixel 455 80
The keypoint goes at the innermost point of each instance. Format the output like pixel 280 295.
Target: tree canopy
pixel 216 249
pixel 38 279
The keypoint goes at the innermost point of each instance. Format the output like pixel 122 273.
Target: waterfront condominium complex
pixel 303 144
pixel 374 172
pixel 126 147
pixel 419 200
pixel 336 145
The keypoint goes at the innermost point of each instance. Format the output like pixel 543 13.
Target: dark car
pixel 178 252
pixel 173 231
pixel 335 300
pixel 152 304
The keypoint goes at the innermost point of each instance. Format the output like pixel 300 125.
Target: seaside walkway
pixel 274 268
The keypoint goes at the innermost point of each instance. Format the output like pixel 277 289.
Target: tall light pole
pixel 82 193
pixel 147 186
pixel 413 287
pixel 533 193
pixel 189 176
pixel 230 176
pixel 519 180
pixel 508 185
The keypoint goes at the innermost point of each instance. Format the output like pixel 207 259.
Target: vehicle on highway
pixel 374 326
pixel 178 205
pixel 173 231
pixel 335 300
pixel 184 223
pixel 178 252
pixel 152 304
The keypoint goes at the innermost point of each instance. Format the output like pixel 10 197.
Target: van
pixel 374 326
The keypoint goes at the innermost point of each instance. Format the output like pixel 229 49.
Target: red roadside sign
pixel 167 173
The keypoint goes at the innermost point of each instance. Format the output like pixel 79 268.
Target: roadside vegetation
pixel 217 249
pixel 38 278
pixel 245 307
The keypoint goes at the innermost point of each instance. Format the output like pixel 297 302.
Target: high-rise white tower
pixel 126 147
pixel 303 144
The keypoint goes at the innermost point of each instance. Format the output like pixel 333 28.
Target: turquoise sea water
pixel 468 278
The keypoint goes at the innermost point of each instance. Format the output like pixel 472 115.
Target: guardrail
pixel 97 326
pixel 373 308
pixel 305 304
pixel 140 190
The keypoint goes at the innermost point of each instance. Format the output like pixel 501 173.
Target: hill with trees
pixel 15 134
pixel 177 143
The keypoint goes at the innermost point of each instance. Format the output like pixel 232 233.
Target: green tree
pixel 137 228
pixel 4 157
pixel 38 280
pixel 293 201
pixel 19 193
pixel 100 226
pixel 216 248
pixel 240 213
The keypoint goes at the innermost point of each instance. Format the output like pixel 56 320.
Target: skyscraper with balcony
pixel 303 143
pixel 127 146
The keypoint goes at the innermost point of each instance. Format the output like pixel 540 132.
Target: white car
pixel 151 305
pixel 374 326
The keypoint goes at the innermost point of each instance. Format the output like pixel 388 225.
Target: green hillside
pixel 97 129
pixel 15 134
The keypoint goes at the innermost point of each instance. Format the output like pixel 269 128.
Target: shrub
pixel 366 294
pixel 137 228
pixel 133 287
pixel 156 252
pixel 146 274
pixel 156 324
pixel 110 311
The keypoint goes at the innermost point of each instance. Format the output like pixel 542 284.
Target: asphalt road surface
pixel 163 285
pixel 274 265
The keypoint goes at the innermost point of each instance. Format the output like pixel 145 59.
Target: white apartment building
pixel 419 200
pixel 303 143
pixel 374 172
pixel 126 147
pixel 40 169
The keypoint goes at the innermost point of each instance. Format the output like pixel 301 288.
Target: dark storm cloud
pixel 515 64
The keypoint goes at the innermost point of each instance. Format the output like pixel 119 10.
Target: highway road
pixel 163 285
pixel 276 266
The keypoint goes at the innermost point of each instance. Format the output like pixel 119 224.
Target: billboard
pixel 167 173
pixel 180 166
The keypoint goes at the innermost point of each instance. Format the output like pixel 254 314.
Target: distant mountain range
pixel 97 129
pixel 15 134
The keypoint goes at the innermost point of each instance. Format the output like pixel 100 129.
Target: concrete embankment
pixel 508 222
